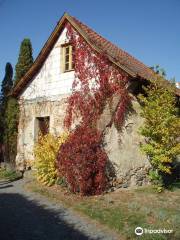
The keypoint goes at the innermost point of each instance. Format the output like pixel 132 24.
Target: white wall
pixel 50 81
pixel 44 96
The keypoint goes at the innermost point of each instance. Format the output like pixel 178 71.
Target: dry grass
pixel 125 209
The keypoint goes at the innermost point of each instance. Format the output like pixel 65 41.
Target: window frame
pixel 64 57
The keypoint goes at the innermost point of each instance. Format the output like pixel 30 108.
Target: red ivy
pixel 96 80
pixel 82 160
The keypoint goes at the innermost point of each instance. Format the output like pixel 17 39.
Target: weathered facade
pixel 42 94
pixel 43 97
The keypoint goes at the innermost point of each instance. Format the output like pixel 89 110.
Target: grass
pixel 10 175
pixel 124 210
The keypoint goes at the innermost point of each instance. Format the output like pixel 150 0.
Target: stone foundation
pixel 135 177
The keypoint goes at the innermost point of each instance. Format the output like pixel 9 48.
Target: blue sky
pixel 149 30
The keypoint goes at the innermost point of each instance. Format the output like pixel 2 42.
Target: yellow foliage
pixel 161 127
pixel 45 152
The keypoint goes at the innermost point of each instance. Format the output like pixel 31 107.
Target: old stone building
pixel 44 88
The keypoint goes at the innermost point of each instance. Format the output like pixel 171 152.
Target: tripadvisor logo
pixel 139 231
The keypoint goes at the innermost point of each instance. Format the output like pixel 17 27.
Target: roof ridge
pixel 112 44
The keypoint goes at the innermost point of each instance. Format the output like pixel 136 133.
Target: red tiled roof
pixel 118 55
pixel 125 61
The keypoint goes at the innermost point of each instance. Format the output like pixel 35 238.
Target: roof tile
pixel 115 52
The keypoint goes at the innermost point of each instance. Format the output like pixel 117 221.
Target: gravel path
pixel 30 216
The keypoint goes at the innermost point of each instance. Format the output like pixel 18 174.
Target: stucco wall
pixel 44 96
pixel 129 166
pixel 123 149
pixel 50 81
pixel 27 134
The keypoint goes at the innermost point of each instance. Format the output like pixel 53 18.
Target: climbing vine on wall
pixel 96 81
pixel 82 161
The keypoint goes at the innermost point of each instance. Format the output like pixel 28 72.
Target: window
pixel 67 58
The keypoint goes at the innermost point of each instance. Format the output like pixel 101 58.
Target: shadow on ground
pixel 7 186
pixel 23 219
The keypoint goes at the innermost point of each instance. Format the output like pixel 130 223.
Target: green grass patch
pixel 124 210
pixel 9 175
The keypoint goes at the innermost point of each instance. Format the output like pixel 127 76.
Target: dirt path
pixel 29 216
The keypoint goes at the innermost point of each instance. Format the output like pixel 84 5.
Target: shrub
pixel 10 175
pixel 82 161
pixel 45 157
pixel 161 128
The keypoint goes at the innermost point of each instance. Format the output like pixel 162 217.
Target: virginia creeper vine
pixel 96 81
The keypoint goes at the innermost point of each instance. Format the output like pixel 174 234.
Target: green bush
pixel 10 175
pixel 161 128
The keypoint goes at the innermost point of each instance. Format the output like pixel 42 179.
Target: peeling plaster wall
pixel 128 163
pixel 50 81
pixel 27 135
pixel 46 95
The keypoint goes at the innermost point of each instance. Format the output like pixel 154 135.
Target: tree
pixel 1 132
pixel 7 82
pixel 25 59
pixel 11 118
pixel 1 122
pixel 161 128
pixel 6 87
pixel 11 111
pixel 158 70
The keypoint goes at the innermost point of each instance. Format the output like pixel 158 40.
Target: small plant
pixel 157 180
pixel 61 181
pixel 155 177
pixel 45 157
pixel 10 175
